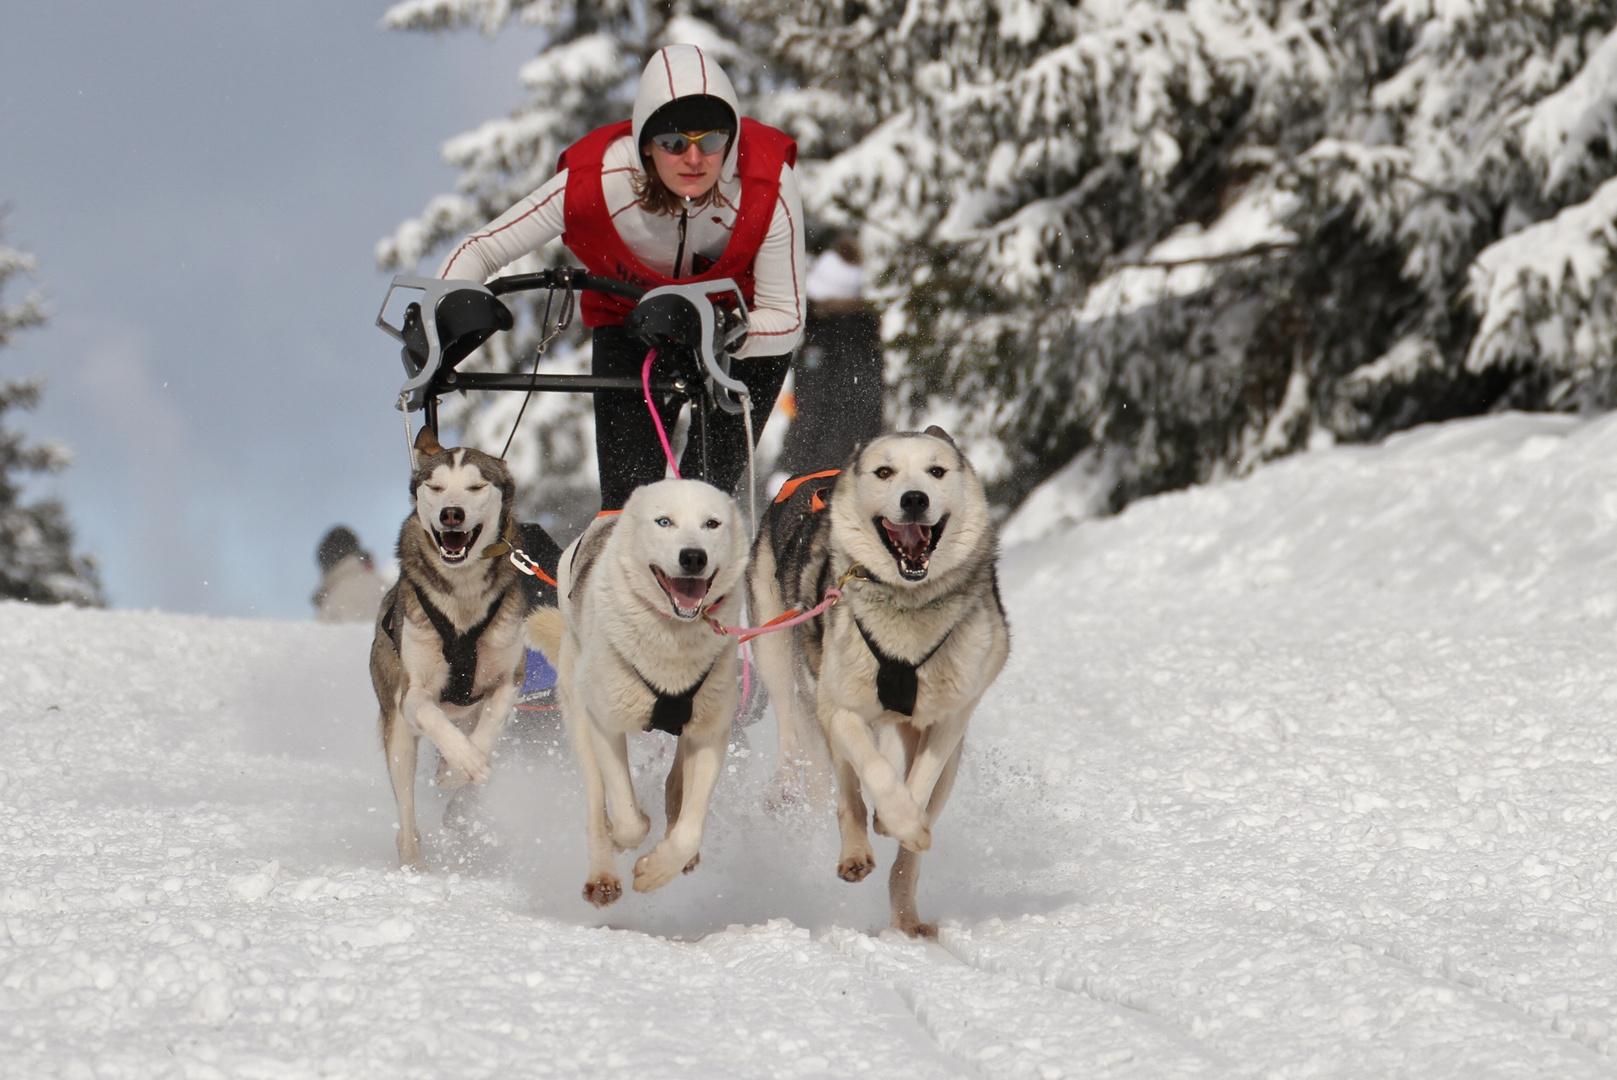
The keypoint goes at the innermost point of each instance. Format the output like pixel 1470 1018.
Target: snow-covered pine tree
pixel 1179 238
pixel 36 541
pixel 584 75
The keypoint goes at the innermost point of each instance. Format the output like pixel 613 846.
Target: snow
pixel 1559 267
pixel 1560 129
pixel 1181 264
pixel 1307 774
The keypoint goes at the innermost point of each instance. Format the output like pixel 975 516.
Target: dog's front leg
pixel 700 757
pixel 468 760
pixel 400 746
pixel 940 744
pixel 603 885
pixel 902 818
pixel 629 823
pixel 857 859
pixel 906 870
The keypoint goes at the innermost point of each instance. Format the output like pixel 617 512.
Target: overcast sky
pixel 202 183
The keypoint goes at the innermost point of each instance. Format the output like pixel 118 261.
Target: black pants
pixel 626 444
pixel 839 392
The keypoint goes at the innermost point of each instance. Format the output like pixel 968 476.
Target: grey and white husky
pixel 634 649
pixel 893 671
pixel 448 656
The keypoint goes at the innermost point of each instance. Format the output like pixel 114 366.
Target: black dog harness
pixel 671 712
pixel 460 650
pixel 896 684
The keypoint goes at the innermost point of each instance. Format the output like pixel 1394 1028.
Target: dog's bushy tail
pixel 544 629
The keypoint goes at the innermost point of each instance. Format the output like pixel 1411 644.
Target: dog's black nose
pixel 453 517
pixel 692 561
pixel 914 504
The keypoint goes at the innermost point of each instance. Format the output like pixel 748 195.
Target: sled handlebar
pixel 453 318
pixel 564 277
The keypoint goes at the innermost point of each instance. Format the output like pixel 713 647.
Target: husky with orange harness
pixel 894 668
pixel 448 655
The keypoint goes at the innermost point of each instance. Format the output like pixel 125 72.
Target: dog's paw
pixel 410 856
pixel 696 860
pixel 603 889
pixel 463 761
pixel 908 827
pixel 856 867
pixel 918 839
pixel 630 835
pixel 661 865
pixel 915 928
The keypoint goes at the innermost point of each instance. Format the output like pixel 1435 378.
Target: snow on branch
pixel 1561 130
pixel 435 15
pixel 1549 292
pixel 590 60
pixel 28 312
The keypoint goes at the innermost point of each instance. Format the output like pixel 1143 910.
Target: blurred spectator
pixel 350 588
pixel 837 378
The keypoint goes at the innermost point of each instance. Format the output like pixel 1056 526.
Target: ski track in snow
pixel 1305 775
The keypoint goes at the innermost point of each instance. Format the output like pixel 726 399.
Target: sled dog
pixel 894 669
pixel 634 648
pixel 448 655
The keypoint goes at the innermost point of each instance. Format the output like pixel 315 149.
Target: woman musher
pixel 686 191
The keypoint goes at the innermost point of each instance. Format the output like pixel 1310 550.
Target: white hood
pixel 677 71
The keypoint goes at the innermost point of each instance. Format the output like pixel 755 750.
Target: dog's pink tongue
pixel 688 591
pixel 910 536
pixel 455 541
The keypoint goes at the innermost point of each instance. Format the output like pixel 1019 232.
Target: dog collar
pixel 519 559
pixel 858 572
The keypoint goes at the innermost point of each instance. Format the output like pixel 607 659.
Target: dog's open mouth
pixel 684 593
pixel 453 547
pixel 912 544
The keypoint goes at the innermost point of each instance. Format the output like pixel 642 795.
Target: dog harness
pixel 671 712
pixel 896 682
pixel 460 650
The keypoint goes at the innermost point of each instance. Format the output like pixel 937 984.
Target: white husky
pixel 894 669
pixel 634 649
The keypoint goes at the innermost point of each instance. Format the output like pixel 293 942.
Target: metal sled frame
pixel 480 314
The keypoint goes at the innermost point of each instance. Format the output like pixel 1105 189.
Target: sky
pixel 203 185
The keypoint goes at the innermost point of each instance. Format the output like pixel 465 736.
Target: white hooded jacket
pixel 778 269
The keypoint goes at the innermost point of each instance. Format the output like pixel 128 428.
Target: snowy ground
pixel 1306 775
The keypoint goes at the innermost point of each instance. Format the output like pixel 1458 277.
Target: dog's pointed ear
pixel 938 433
pixel 426 443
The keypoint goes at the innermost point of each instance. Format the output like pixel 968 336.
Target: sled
pixel 683 318
pixel 464 315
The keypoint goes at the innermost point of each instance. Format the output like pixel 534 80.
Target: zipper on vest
pixel 679 254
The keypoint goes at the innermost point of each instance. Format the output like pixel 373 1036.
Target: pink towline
pixel 656 418
pixel 783 621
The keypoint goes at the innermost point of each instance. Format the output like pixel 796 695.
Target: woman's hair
pixel 694 112
pixel 655 197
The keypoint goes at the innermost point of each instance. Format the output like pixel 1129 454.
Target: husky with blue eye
pixel 634 648
pixel 883 684
pixel 449 654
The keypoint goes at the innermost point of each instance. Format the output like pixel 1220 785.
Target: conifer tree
pixel 1177 239
pixel 36 541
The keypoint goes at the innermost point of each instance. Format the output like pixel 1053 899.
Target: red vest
pixel 591 236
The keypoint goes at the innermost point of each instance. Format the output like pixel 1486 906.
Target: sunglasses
pixel 709 142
